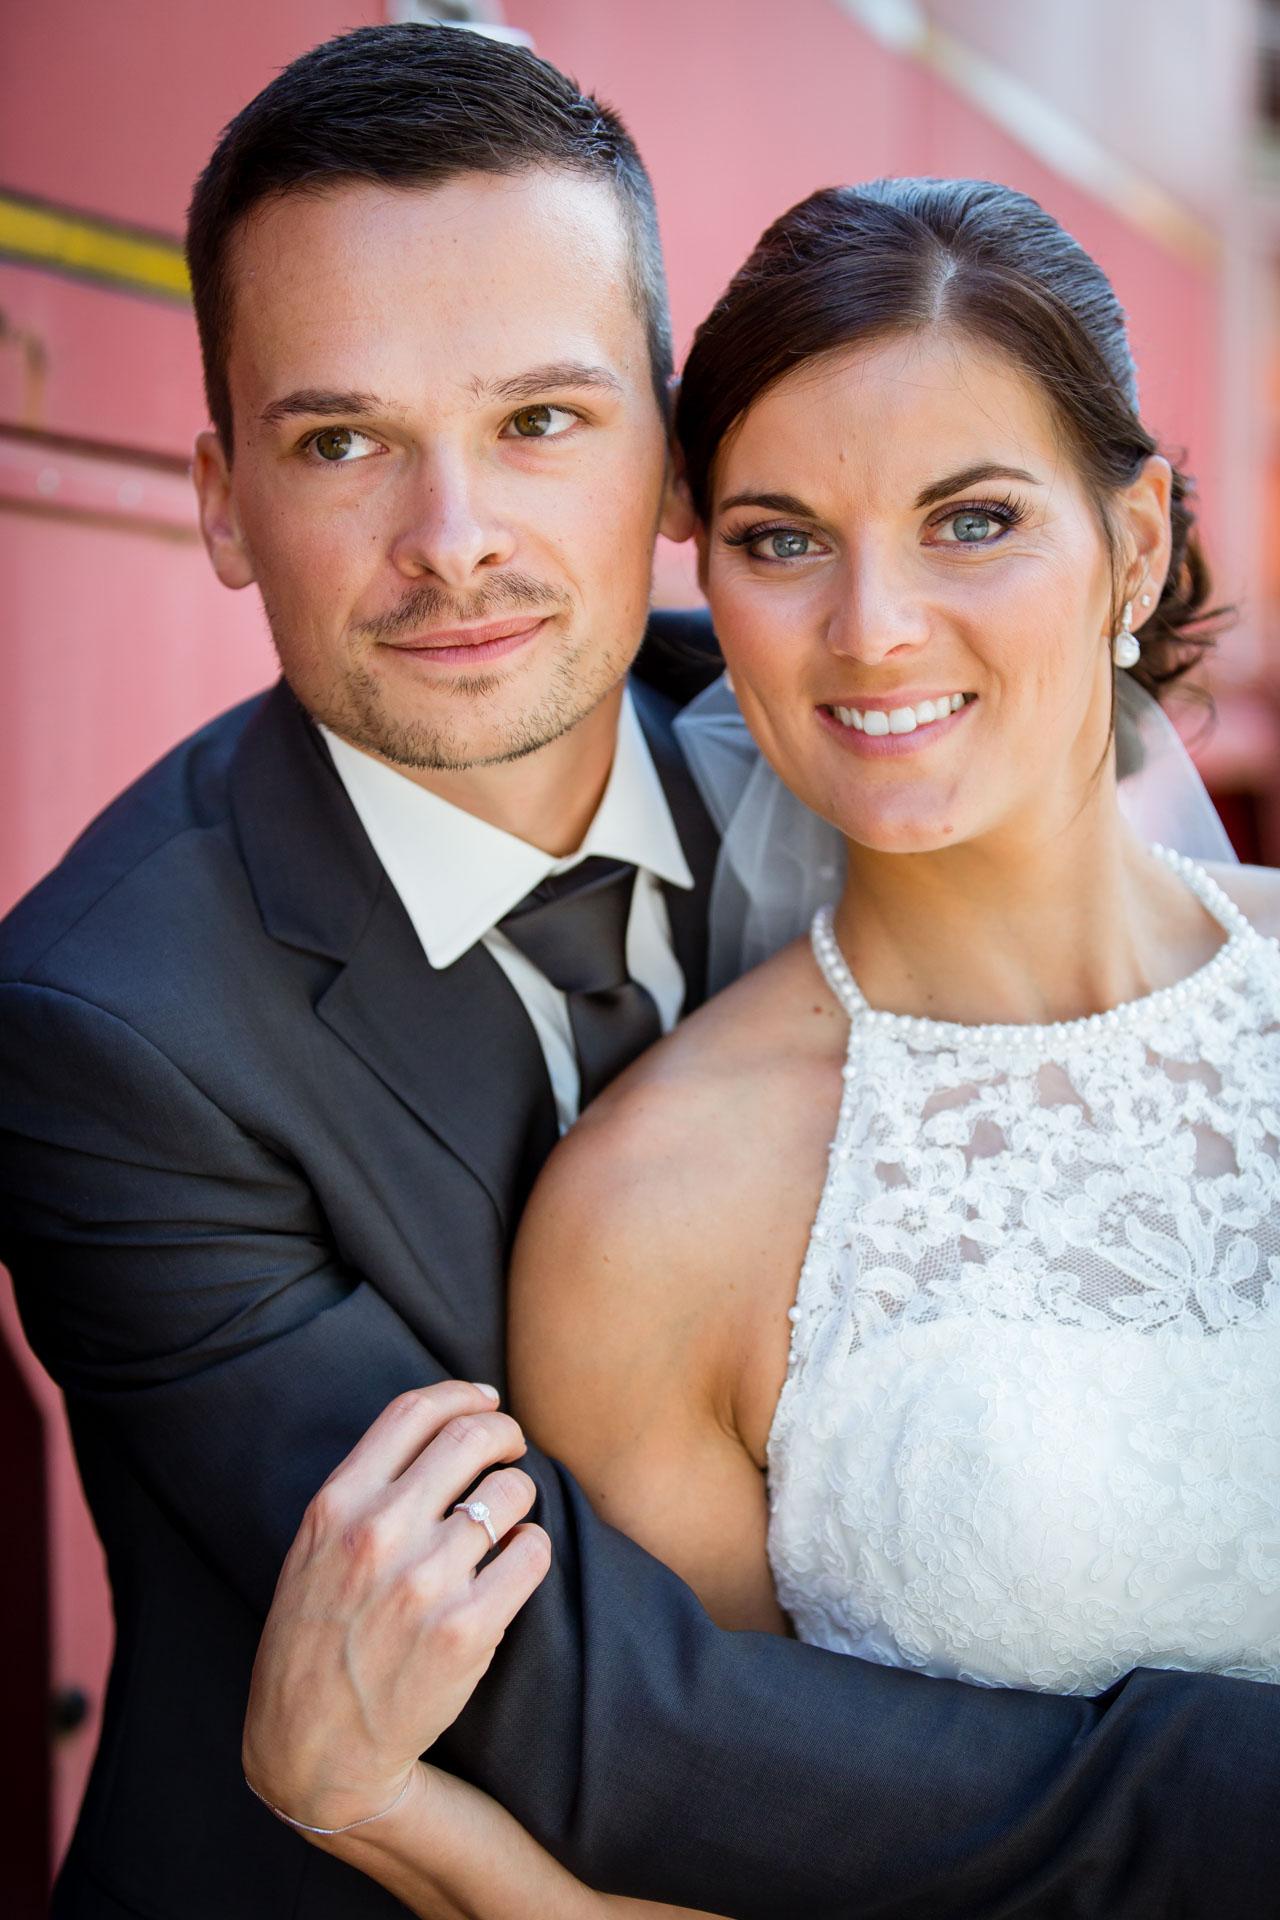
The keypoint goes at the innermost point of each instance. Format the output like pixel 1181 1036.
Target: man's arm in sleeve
pixel 175 1274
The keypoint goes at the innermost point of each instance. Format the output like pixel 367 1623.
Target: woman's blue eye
pixel 972 527
pixel 788 546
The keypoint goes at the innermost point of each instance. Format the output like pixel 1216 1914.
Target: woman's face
pixel 913 593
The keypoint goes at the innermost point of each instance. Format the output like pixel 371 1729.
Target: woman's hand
pixel 381 1625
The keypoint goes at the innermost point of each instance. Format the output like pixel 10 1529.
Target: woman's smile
pixel 896 723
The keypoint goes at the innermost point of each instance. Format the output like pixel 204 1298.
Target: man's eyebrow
pixel 771 502
pixel 558 374
pixel 326 404
pixel 970 477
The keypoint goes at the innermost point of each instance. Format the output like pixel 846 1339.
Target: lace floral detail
pixel 1030 1433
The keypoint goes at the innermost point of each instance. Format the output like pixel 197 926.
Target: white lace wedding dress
pixel 1030 1432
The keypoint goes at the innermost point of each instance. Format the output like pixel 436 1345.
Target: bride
pixel 919 1294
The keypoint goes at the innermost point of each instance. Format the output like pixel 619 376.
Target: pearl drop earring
pixel 1125 646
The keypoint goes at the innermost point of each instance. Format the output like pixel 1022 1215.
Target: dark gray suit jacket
pixel 261 1170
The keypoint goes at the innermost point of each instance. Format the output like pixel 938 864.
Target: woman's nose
pixel 877 612
pixel 450 524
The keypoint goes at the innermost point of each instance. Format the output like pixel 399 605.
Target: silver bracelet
pixel 328 1832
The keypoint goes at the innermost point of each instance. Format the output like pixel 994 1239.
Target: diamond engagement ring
pixel 476 1510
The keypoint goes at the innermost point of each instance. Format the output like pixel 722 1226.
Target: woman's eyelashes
pixel 773 544
pixel 975 523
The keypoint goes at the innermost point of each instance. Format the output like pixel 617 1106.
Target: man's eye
pixel 336 444
pixel 541 423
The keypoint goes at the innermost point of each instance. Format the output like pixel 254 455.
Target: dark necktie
pixel 574 929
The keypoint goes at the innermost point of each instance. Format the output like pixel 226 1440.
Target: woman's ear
pixel 1145 510
pixel 219 521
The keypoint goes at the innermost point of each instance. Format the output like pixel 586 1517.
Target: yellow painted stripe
pixel 77 243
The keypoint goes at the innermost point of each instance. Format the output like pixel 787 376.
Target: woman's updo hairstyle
pixel 850 265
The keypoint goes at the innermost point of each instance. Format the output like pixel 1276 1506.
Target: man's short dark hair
pixel 410 106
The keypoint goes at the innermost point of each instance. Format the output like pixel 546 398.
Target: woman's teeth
pixel 898 719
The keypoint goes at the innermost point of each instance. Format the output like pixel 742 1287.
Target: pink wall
pixel 117 641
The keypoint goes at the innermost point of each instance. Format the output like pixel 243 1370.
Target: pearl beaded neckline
pixel 1239 931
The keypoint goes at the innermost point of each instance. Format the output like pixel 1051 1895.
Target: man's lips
pixel 470 646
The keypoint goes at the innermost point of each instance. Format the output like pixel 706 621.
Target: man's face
pixel 449 463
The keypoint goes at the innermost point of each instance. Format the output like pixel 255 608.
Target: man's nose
pixel 879 612
pixel 450 526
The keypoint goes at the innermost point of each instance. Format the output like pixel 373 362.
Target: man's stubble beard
pixel 354 704
pixel 420 746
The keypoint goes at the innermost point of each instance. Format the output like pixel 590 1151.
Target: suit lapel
pixel 686 907
pixel 455 1045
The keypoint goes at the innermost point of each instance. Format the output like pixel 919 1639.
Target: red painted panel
pixel 84 360
pixel 115 108
pixel 117 645
pixel 51 474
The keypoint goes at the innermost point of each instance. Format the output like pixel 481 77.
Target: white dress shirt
pixel 457 876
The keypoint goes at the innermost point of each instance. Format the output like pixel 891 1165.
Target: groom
pixel 285 1039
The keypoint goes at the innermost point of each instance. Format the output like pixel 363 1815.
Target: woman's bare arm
pixel 449 1852
pixel 650 1286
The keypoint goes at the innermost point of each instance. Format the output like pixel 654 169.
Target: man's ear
pixel 677 519
pixel 703 543
pixel 1145 508
pixel 219 521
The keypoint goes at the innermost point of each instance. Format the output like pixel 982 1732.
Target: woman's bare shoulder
pixel 1255 890
pixel 687 1177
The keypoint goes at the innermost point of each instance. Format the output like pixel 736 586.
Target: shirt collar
pixel 457 875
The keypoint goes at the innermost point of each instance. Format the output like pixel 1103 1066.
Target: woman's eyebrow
pixel 970 477
pixel 771 502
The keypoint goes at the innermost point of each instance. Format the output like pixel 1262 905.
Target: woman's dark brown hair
pixel 852 264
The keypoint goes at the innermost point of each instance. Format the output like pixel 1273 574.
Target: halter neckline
pixel 1239 930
